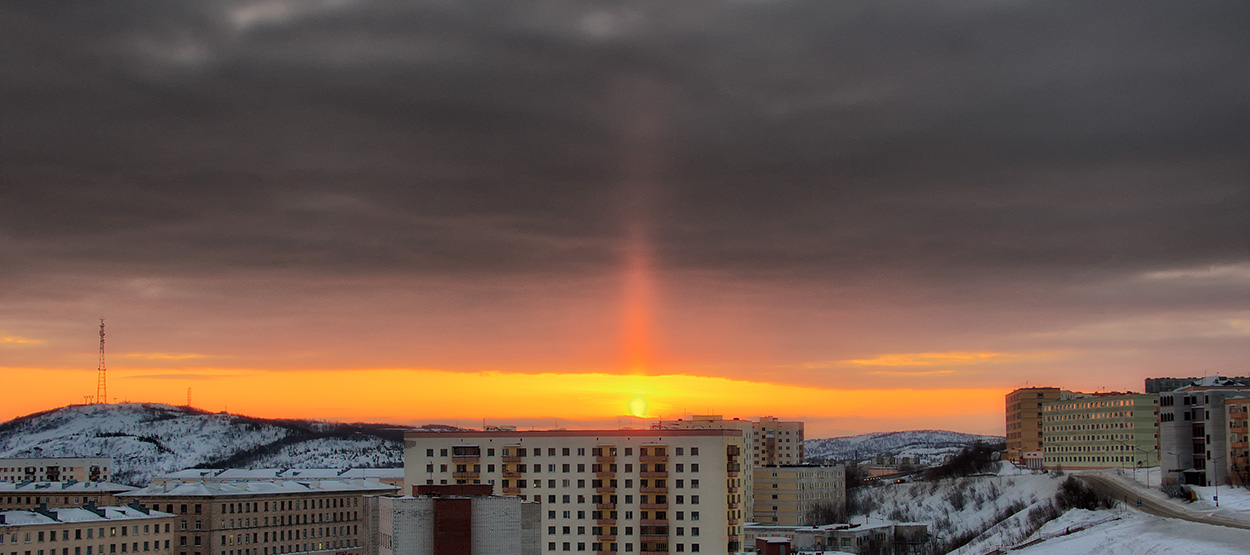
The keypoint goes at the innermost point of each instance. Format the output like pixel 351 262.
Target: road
pixel 1120 491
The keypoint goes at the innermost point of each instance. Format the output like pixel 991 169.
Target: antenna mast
pixel 101 386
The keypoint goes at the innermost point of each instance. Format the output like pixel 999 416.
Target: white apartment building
pixel 56 469
pixel 1194 433
pixel 603 491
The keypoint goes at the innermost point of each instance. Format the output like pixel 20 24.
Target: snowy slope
pixel 146 440
pixel 930 445
pixel 1133 532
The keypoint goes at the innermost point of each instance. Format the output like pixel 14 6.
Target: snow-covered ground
pixel 931 446
pixel 1234 502
pixel 1131 532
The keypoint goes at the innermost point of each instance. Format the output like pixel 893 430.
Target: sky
pixel 867 215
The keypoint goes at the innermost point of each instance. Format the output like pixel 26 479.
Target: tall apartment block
pixel 1024 419
pixel 1194 432
pixel 56 469
pixel 785 493
pixel 772 441
pixel 263 518
pixel 604 491
pixel 1101 430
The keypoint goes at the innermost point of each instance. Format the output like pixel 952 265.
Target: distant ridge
pixel 931 446
pixel 149 439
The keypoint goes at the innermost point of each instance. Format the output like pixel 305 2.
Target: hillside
pixel 930 445
pixel 147 439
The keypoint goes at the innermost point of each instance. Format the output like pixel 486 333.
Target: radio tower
pixel 101 386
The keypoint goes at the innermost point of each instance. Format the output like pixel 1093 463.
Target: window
pixel 694 451
pixel 429 452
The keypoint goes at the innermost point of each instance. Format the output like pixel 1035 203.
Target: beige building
pixel 785 494
pixel 31 495
pixel 772 441
pixel 604 491
pixel 1024 419
pixel 88 530
pixel 56 469
pixel 263 518
pixel 1102 430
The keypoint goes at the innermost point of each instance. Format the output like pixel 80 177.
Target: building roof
pixel 258 487
pixel 68 486
pixel 75 514
pixel 192 474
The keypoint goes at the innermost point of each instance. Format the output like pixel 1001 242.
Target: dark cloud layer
pixel 976 153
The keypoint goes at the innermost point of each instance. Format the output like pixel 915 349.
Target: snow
pixel 1133 532
pixel 1234 502
pixel 931 446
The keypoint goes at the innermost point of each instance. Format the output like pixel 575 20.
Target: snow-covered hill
pixel 146 439
pixel 930 445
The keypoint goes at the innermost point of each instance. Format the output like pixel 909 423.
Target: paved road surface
pixel 1120 491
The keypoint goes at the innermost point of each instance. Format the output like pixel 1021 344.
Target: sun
pixel 638 406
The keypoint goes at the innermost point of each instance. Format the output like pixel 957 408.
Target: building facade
pixel 1236 412
pixel 452 520
pixel 1024 419
pixel 772 441
pixel 1194 433
pixel 88 530
pixel 1163 385
pixel 263 518
pixel 604 491
pixel 785 494
pixel 31 495
pixel 1101 430
pixel 56 469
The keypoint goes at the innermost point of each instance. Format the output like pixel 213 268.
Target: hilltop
pixel 931 446
pixel 149 439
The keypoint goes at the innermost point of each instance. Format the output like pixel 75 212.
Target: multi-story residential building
pixel 1163 385
pixel 88 530
pixel 1024 419
pixel 56 469
pixel 1193 432
pixel 605 491
pixel 1236 412
pixel 1101 430
pixel 772 441
pixel 31 495
pixel 785 494
pixel 452 520
pixel 390 476
pixel 252 517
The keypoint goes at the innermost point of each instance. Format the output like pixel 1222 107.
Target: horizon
pixel 864 215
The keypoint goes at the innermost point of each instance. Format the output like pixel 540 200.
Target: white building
pixel 1193 431
pixel 649 491
pixel 452 519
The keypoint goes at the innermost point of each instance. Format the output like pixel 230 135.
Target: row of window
pixel 612 547
pixel 287 520
pixel 468 451
pixel 612 530
pixel 132 547
pixel 112 532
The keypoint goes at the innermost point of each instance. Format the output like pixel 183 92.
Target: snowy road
pixel 1121 491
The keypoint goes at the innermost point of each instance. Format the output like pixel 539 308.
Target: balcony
pixel 732 489
pixel 605 521
pixel 661 474
pixel 605 506
pixel 653 458
pixel 512 490
pixel 653 490
pixel 605 474
pixel 733 505
pixel 653 537
pixel 466 459
pixel 654 522
pixel 605 538
pixel 605 489
pixel 511 474
pixel 605 459
pixel 511 458
pixel 732 521
pixel 654 506
pixel 466 474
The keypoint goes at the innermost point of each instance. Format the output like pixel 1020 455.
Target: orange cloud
pixel 19 340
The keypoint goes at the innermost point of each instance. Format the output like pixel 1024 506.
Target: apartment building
pixel 772 441
pixel 56 469
pixel 252 517
pixel 1163 385
pixel 1024 419
pixel 1236 412
pixel 32 495
pixel 785 493
pixel 452 520
pixel 88 530
pixel 1194 432
pixel 1101 430
pixel 389 476
pixel 604 491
